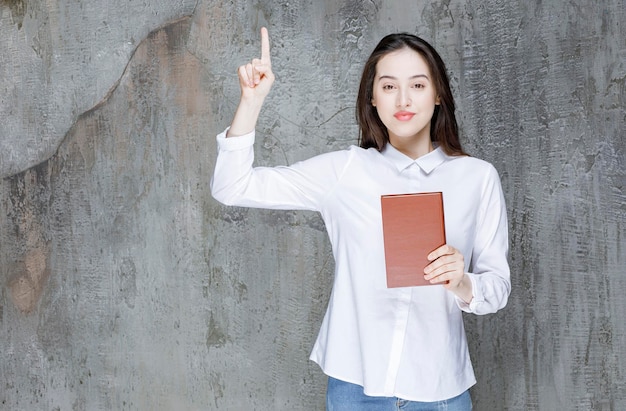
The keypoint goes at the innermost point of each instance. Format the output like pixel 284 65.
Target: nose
pixel 403 98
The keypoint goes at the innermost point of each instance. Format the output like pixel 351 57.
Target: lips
pixel 404 115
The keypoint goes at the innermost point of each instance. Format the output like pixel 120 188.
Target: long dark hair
pixel 443 127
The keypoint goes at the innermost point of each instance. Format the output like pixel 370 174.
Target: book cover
pixel 413 227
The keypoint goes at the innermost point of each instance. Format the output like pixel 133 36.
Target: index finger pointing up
pixel 265 46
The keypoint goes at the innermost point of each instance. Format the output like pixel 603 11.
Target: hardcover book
pixel 413 227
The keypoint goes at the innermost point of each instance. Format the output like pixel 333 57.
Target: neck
pixel 412 148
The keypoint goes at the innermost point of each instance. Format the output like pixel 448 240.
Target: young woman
pixel 386 348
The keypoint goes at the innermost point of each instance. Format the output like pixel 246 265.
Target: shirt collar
pixel 427 162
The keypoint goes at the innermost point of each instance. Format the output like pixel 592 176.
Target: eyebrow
pixel 410 78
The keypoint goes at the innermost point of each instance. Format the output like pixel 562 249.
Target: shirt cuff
pixel 477 299
pixel 234 143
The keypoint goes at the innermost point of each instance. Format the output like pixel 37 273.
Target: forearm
pixel 246 117
pixel 490 273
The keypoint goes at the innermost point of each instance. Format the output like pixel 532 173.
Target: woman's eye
pixel 388 87
pixel 419 85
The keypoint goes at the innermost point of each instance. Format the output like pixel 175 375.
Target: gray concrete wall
pixel 125 286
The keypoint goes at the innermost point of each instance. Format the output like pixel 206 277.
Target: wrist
pixel 251 102
pixel 245 117
pixel 464 290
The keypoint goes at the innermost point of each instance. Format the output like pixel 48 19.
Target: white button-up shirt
pixel 404 342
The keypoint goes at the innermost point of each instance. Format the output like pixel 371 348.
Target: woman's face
pixel 405 98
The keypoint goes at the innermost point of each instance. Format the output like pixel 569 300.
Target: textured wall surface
pixel 125 286
pixel 59 59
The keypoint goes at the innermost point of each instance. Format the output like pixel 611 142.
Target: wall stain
pixel 216 337
pixel 27 286
pixel 126 279
pixel 18 10
pixel 29 210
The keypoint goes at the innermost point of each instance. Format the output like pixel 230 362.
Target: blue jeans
pixel 344 396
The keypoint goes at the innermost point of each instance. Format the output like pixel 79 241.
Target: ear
pixel 437 101
pixel 373 103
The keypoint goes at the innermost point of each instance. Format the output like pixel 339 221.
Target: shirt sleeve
pixel 301 186
pixel 490 273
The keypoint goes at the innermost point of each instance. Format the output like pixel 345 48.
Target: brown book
pixel 413 227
